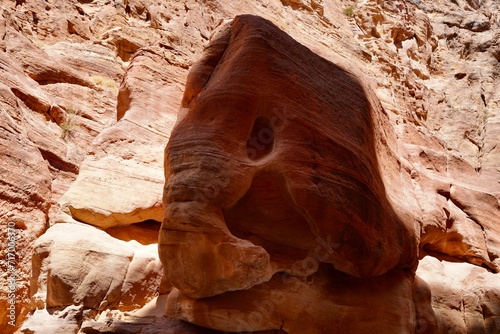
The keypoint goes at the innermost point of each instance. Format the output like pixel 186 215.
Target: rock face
pixel 25 194
pixel 262 184
pixel 464 297
pixel 285 181
pixel 58 108
pixel 131 189
pixel 89 92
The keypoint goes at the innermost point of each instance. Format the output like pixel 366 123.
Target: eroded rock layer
pixel 89 92
pixel 285 180
pixel 278 154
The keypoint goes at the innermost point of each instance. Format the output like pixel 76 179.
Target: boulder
pixel 465 297
pixel 77 264
pixel 327 301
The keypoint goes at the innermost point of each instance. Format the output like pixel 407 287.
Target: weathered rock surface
pixel 59 92
pixel 130 189
pixel 465 298
pixel 25 202
pixel 460 217
pixel 76 264
pixel 266 198
pixel 246 202
pixel 256 181
pixel 433 65
pixel 50 111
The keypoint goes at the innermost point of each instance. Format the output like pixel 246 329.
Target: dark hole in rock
pixel 261 140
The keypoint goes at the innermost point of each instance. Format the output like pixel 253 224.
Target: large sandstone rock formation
pixel 282 163
pixel 90 90
pixel 275 150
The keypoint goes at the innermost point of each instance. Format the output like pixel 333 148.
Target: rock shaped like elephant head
pixel 280 161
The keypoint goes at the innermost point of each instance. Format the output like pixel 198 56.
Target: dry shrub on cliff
pixel 105 82
pixel 69 125
pixel 349 11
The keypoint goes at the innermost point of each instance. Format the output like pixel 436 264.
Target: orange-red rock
pixel 281 160
pixel 433 66
pixel 24 207
pixel 120 183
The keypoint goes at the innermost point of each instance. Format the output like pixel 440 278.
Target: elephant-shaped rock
pixel 283 167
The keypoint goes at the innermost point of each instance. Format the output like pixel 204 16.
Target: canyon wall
pixel 91 90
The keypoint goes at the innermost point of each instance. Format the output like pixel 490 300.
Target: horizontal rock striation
pixel 278 165
pixel 89 93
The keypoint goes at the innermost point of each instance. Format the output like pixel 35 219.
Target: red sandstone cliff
pixel 91 90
